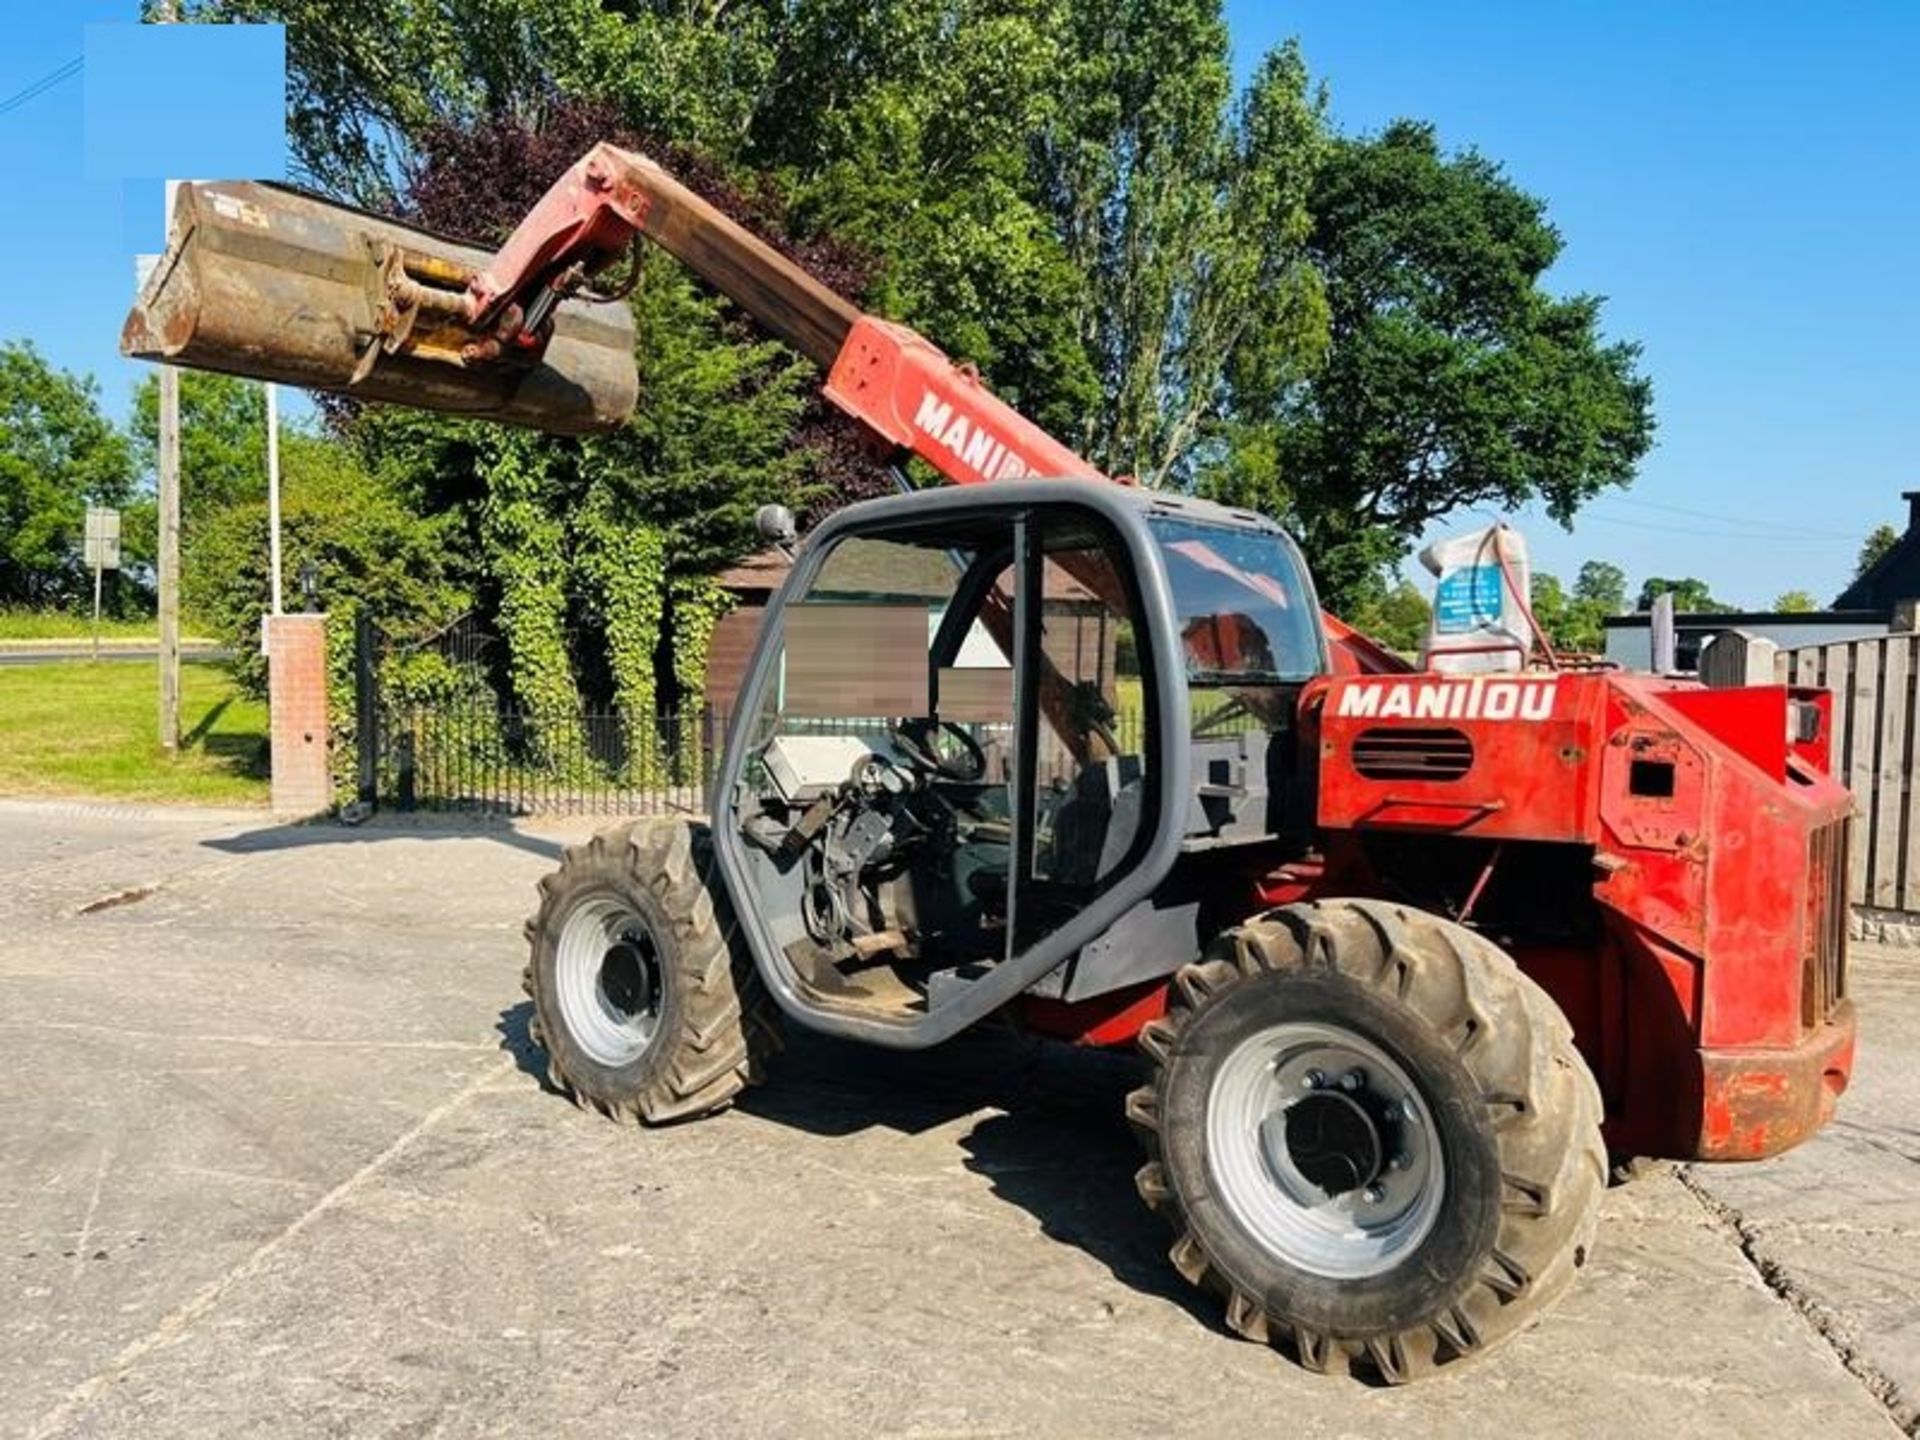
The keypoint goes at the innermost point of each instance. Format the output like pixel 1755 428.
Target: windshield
pixel 1243 609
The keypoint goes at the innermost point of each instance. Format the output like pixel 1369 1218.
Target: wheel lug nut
pixel 1373 1194
pixel 1313 1079
pixel 1399 1162
pixel 1353 1080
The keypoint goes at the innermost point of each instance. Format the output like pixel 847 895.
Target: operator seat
pixel 1095 826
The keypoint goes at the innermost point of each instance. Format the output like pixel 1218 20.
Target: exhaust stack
pixel 274 284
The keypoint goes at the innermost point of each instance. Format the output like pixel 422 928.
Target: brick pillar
pixel 296 648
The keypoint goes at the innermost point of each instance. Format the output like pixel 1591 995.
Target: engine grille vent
pixel 1823 980
pixel 1383 753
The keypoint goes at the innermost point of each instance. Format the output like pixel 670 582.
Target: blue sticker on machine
pixel 1467 598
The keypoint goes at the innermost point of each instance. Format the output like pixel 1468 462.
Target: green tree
pixel 1688 594
pixel 369 550
pixel 58 454
pixel 1603 585
pixel 1191 283
pixel 599 535
pixel 1571 621
pixel 1551 606
pixel 1795 602
pixel 223 441
pixel 904 130
pixel 1878 543
pixel 366 78
pixel 1452 377
pixel 1065 193
pixel 1185 209
pixel 1068 194
pixel 1397 616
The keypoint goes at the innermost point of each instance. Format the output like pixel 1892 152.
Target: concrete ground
pixel 277 1162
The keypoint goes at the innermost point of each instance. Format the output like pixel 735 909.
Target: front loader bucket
pixel 274 284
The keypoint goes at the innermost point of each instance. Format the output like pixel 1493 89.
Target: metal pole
pixel 167 564
pixel 169 560
pixel 366 710
pixel 1661 635
pixel 96 607
pixel 273 491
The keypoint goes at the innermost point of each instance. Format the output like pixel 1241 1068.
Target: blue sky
pixel 1742 181
pixel 73 226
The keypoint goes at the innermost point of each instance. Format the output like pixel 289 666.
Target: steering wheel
pixel 916 741
pixel 877 775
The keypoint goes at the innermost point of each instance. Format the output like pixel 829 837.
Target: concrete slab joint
pixel 296 648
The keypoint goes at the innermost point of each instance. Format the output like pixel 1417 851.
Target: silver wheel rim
pixel 607 974
pixel 1256 1153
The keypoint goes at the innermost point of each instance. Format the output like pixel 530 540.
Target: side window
pixel 877 811
pixel 973 678
pixel 862 650
pixel 857 642
pixel 1091 759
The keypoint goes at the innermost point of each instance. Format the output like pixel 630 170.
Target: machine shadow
pixel 1054 1141
pixel 515 1029
pixel 299 835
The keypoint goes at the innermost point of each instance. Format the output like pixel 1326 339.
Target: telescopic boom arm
pixel 277 285
pixel 886 376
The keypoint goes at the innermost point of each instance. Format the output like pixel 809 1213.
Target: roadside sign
pixel 103 538
pixel 103 553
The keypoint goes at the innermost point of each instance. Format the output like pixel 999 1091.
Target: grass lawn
pixel 82 729
pixel 43 625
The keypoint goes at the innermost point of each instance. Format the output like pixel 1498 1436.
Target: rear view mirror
pixel 774 524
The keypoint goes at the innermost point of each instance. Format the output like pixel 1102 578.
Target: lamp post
pixel 273 495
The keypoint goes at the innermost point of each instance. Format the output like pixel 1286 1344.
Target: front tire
pixel 644 998
pixel 1373 1137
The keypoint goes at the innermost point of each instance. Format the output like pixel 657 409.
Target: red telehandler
pixel 1410 956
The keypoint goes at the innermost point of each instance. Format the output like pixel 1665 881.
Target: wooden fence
pixel 1873 683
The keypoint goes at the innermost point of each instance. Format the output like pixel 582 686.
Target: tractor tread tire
pixel 1516 1046
pixel 727 1028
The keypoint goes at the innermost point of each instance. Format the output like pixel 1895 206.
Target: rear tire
pixel 1464 1191
pixel 644 999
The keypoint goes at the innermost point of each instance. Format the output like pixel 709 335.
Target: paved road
pixel 49 654
pixel 276 1164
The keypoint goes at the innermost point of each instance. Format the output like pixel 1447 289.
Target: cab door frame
pixel 1124 516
